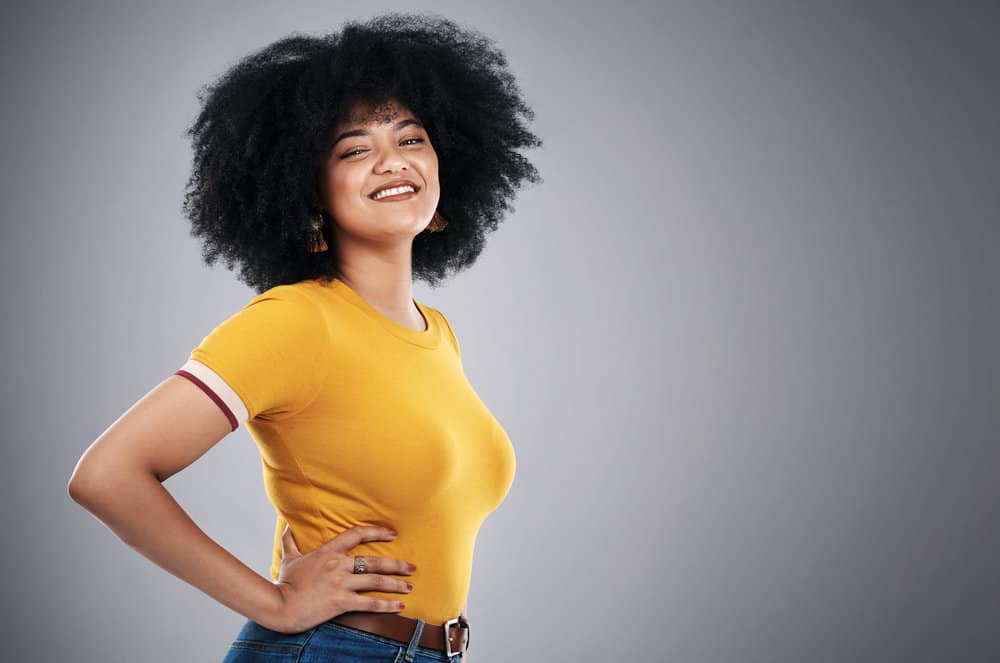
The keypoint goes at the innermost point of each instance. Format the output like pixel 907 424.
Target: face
pixel 389 145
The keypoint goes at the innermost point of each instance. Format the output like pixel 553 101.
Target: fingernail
pixel 411 567
pixel 409 586
pixel 393 532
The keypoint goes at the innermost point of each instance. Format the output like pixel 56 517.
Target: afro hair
pixel 265 128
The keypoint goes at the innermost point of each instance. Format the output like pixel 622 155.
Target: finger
pixel 355 535
pixel 372 604
pixel 364 582
pixel 288 545
pixel 389 565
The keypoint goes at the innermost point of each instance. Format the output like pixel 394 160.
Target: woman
pixel 334 170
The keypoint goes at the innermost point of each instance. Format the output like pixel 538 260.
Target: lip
pixel 394 183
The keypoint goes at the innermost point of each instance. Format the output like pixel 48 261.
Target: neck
pixel 383 279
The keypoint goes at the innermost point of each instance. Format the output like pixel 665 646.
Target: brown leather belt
pixel 399 628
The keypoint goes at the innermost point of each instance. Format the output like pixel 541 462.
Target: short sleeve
pixel 267 360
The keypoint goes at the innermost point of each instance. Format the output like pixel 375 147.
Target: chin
pixel 415 221
pixel 410 228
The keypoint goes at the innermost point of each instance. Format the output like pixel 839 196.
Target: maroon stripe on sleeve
pixel 211 394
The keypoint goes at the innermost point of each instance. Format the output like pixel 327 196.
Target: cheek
pixel 342 187
pixel 431 167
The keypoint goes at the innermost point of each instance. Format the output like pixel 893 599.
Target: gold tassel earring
pixel 437 224
pixel 317 244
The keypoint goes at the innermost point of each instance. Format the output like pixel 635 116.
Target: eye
pixel 359 150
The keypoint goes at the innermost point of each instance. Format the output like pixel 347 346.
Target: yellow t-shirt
pixel 362 421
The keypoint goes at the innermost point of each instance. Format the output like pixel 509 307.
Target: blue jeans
pixel 330 642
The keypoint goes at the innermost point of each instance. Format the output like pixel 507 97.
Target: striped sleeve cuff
pixel 216 388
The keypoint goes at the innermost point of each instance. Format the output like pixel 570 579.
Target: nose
pixel 390 160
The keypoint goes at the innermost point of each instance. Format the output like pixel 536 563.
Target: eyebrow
pixel 364 132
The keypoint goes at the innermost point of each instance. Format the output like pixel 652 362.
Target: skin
pixel 374 240
pixel 119 478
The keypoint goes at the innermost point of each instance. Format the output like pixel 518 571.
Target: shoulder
pixel 442 320
pixel 445 326
pixel 272 353
pixel 289 305
pixel 284 315
pixel 295 294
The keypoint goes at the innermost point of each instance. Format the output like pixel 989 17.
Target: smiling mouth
pixel 395 194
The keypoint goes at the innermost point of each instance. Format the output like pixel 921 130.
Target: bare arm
pixel 119 480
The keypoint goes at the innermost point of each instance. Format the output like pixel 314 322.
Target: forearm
pixel 144 515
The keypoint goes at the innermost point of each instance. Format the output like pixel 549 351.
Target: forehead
pixel 366 113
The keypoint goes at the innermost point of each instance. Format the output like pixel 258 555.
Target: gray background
pixel 743 337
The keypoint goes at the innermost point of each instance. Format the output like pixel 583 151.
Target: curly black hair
pixel 266 127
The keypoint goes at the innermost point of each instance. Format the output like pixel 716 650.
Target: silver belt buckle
pixel 461 621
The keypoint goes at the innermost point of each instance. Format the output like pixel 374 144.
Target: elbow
pixel 110 493
pixel 73 489
pixel 99 482
pixel 81 487
pixel 91 482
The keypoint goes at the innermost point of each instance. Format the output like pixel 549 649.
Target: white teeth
pixel 394 191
